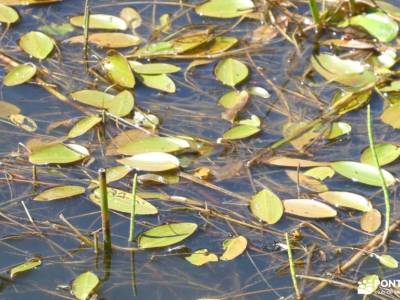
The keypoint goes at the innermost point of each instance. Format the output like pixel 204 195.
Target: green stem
pixel 105 216
pixel 86 31
pixel 292 267
pixel 133 211
pixel 382 179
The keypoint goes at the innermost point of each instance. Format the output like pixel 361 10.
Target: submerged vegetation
pixel 208 150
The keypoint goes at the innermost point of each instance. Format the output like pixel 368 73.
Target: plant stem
pixel 314 11
pixel 105 217
pixel 86 31
pixel 382 179
pixel 133 211
pixel 292 267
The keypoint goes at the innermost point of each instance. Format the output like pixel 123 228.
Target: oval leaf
pixel 362 173
pixel 240 132
pixel 234 247
pixel 368 284
pixel 99 21
pixel 20 74
pixel 26 266
pixel 122 104
pixel 309 208
pixel 60 192
pixel 36 44
pixel 94 98
pixel 201 257
pixel 118 69
pixel 391 114
pixel 58 154
pixel 159 82
pixel 154 144
pixel 386 154
pixel 153 69
pixel 166 235
pixel 151 162
pixel 231 71
pixel 347 199
pixel 8 14
pixel 83 126
pixel 225 9
pixel 266 206
pixel 371 220
pixel 84 285
pixel 388 261
pixel 113 40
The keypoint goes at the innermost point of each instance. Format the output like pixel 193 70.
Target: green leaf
pixel 253 121
pixel 219 45
pixel 122 104
pixel 26 266
pixel 151 162
pixel 309 208
pixel 60 192
pixel 347 199
pixel 388 261
pixel 344 101
pixel 84 285
pixel 377 24
pixel 94 98
pixel 116 173
pixel 8 14
pixel 240 132
pixel 23 122
pixel 36 44
pixel 166 235
pixel 201 257
pixel 99 21
pixel 159 82
pixel 19 74
pixel 83 126
pixel 368 284
pixel 231 71
pixel 266 206
pixel 386 154
pixel 118 69
pixel 234 247
pixel 121 201
pixel 54 29
pixel 390 9
pixel 391 114
pixel 7 109
pixel 233 98
pixel 345 71
pixel 225 8
pixel 112 40
pixel 27 2
pixel 58 154
pixel 393 87
pixel 153 69
pixel 320 173
pixel 154 144
pixel 362 173
pixel 259 92
pixel 337 129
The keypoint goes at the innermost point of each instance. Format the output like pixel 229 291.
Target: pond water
pixel 262 271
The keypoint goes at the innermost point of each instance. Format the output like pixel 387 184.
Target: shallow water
pixel 161 274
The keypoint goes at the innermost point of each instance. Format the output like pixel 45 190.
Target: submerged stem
pixel 292 267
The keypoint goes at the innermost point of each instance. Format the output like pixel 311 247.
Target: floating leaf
pixel 166 235
pixel 253 121
pixel 391 114
pixel 116 173
pixel 100 21
pixel 23 122
pixel 7 109
pixel 378 24
pixel 388 261
pixel 393 87
pixel 36 44
pixel 285 161
pixel 231 71
pixel 266 206
pixel 27 2
pixel 84 285
pixel 234 103
pixel 201 257
pixel 26 266
pixel 224 8
pixel 118 69
pixel 343 101
pixel 153 69
pixel 309 208
pixel 292 128
pixel 371 220
pixel 368 284
pixel 113 40
pixel 345 71
pixel 347 199
pixel 122 104
pixel 83 126
pixel 151 162
pixel 362 173
pixel 259 91
pixel 240 132
pixel 94 98
pixel 58 154
pixel 19 74
pixel 337 129
pixel 306 182
pixel 154 144
pixel 219 45
pixel 60 192
pixel 8 14
pixel 159 82
pixel 121 201
pixel 131 17
pixel 54 29
pixel 232 98
pixel 234 247
pixel 386 154
pixel 320 173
